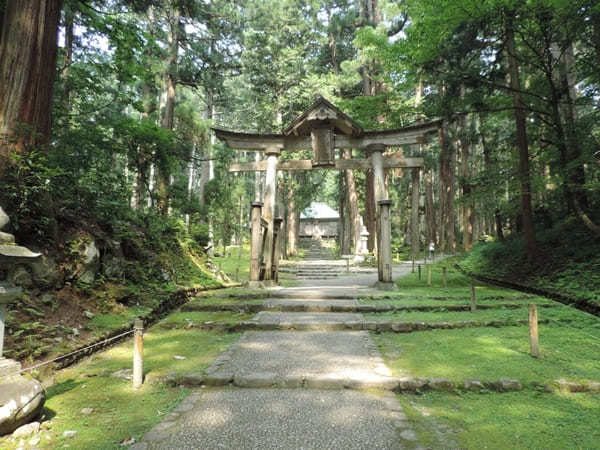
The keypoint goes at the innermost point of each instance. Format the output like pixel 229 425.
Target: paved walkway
pixel 303 389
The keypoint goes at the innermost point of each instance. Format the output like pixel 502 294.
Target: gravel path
pixel 272 416
pixel 265 419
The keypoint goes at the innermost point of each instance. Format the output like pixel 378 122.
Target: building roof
pixel 323 111
pixel 318 210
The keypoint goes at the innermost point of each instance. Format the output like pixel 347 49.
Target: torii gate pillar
pixel 272 154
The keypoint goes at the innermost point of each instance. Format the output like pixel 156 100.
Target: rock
pixel 504 385
pixel 75 332
pixel 6 238
pixel 34 441
pixel 192 379
pixel 126 374
pixel 69 434
pixel 441 384
pixel 409 435
pixel 26 430
pixel 473 385
pixel 87 411
pixel 89 314
pixel 21 400
pixel 45 272
pixel 410 384
pixel 21 277
pixel 84 261
pixel 179 357
pixel 569 386
pixel 4 219
pixel 593 386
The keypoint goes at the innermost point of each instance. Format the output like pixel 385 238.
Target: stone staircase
pixel 318 264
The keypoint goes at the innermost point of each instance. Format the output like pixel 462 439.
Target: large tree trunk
pixel 429 207
pixel 292 218
pixel 465 180
pixel 353 205
pixel 522 145
pixel 168 119
pixel 447 175
pixel 28 48
pixel 370 210
pixel 414 212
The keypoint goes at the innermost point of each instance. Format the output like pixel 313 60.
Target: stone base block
pixel 385 286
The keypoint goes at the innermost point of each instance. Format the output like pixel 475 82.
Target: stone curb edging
pixel 395 384
pixel 378 327
pixel 255 308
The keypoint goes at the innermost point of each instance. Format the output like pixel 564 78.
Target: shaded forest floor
pixel 568 262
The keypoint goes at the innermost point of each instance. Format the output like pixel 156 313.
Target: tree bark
pixel 447 175
pixel 168 119
pixel 522 145
pixel 429 207
pixel 292 218
pixel 414 212
pixel 28 49
pixel 353 205
pixel 465 180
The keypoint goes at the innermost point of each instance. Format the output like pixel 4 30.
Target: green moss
pixel 524 420
pixel 119 410
pixel 491 353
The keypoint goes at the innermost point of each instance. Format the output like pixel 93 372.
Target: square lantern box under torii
pixel 322 127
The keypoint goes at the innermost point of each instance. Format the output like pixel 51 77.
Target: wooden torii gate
pixel 323 128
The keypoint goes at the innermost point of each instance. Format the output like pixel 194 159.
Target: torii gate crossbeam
pixel 322 128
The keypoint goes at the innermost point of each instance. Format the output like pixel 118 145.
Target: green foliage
pixel 570 264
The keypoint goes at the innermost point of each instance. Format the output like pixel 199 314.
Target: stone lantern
pixel 364 238
pixel 21 399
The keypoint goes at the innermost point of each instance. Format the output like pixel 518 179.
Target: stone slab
pixel 308 303
pixel 305 318
pixel 246 419
pixel 347 355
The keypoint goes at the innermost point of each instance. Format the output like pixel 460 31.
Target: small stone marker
pixel 428 275
pixel 138 353
pixel 473 299
pixel 444 280
pixel 533 331
pixel 419 272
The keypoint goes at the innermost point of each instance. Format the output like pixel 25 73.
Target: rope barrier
pixel 58 358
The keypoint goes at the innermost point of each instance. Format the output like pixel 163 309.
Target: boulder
pixel 45 272
pixel 84 260
pixel 21 401
pixel 21 277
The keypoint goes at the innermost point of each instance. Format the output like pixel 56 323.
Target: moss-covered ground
pixel 519 420
pixel 119 411
pixel 529 419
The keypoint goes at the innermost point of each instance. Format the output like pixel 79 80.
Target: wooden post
pixel 256 244
pixel 380 193
pixel 385 250
pixel 419 272
pixel 444 280
pixel 473 298
pixel 429 275
pixel 533 331
pixel 413 265
pixel 269 208
pixel 138 353
pixel 277 247
pixel 347 265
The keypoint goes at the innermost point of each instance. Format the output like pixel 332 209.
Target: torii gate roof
pixel 348 133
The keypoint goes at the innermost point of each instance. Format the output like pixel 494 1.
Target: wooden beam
pixel 261 166
pixel 389 162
